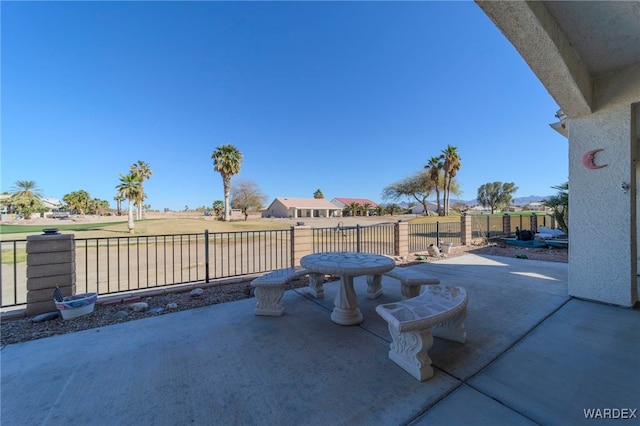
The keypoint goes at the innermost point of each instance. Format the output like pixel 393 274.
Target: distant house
pixel 536 206
pixel 51 203
pixel 301 207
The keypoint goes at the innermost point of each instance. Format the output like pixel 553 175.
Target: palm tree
pixel 25 197
pixel 435 165
pixel 144 172
pixel 559 203
pixel 451 166
pixel 26 188
pixel 227 160
pixel 119 198
pixel 130 187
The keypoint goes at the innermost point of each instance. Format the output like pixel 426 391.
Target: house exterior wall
pixel 276 209
pixel 602 216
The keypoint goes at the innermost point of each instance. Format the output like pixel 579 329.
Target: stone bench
pixel 269 289
pixel 439 311
pixel 410 280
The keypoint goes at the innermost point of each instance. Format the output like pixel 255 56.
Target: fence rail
pixel 120 264
pixel 378 239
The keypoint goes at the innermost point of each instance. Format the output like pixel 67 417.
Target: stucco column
pixel 51 263
pixel 401 239
pixel 466 236
pixel 301 243
pixel 533 223
pixel 506 225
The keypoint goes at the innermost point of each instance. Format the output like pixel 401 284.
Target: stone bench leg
pixel 374 286
pixel 452 329
pixel 409 291
pixel 316 285
pixel 269 300
pixel 410 350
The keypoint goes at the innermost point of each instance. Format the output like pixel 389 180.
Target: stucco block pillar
pixel 51 263
pixel 301 243
pixel 533 222
pixel 506 225
pixel 401 239
pixel 466 234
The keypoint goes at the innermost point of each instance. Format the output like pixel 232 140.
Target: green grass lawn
pixel 24 229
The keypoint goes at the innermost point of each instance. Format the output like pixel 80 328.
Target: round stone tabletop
pixel 347 263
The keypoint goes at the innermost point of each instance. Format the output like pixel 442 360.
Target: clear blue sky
pixel 346 97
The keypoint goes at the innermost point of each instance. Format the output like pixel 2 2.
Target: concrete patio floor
pixel 533 356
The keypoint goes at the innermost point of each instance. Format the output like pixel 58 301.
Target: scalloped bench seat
pixel 269 289
pixel 411 281
pixel 439 311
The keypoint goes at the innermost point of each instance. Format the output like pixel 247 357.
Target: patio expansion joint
pixel 463 381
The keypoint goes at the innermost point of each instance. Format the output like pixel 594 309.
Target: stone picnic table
pixel 347 265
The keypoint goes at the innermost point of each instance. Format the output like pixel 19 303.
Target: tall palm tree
pixel 451 166
pixel 119 198
pixel 226 161
pixel 25 197
pixel 144 172
pixel 435 165
pixel 130 187
pixel 26 188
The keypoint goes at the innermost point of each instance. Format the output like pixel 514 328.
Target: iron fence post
pixel 358 238
pixel 488 226
pixel 437 233
pixel 206 255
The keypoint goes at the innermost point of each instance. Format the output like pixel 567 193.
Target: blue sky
pixel 346 97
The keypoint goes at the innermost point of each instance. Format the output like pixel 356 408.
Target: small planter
pixel 445 247
pixel 78 305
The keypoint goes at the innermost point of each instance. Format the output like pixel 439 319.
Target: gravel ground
pixel 25 329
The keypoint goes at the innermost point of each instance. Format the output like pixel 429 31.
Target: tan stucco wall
pixel 602 217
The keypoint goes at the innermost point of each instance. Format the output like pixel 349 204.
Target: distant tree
pixel 496 194
pixel 380 210
pixel 218 207
pixel 97 206
pixel 227 161
pixel 119 199
pixel 417 186
pixel 246 196
pixel 352 209
pixel 25 198
pixel 318 194
pixel 559 204
pixel 451 165
pixel 79 201
pixel 144 172
pixel 130 188
pixel 393 209
pixel 435 167
pixel 366 208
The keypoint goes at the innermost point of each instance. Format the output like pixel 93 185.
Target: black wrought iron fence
pixel 422 235
pixel 13 276
pixel 120 264
pixel 377 239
